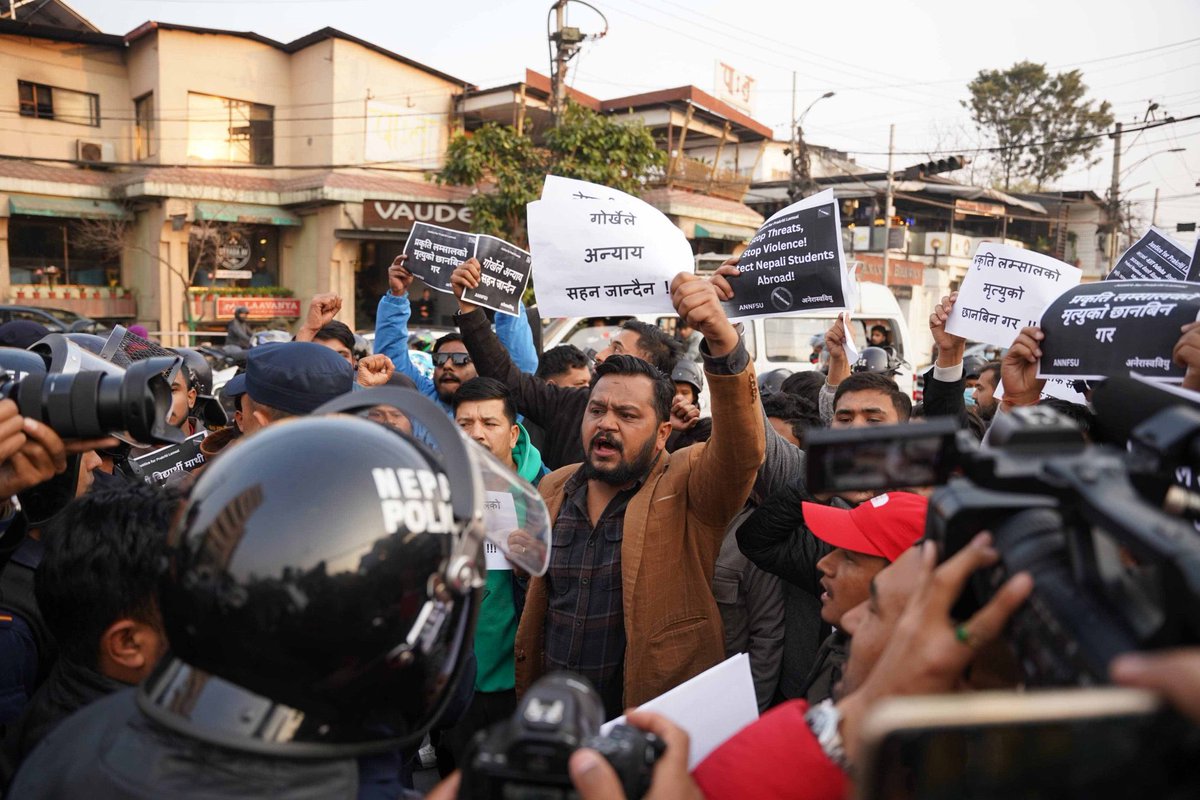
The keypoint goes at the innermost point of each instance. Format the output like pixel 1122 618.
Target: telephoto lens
pixel 82 396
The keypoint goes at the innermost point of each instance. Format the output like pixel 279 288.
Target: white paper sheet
pixel 1006 289
pixel 598 251
pixel 852 353
pixel 711 707
pixel 499 517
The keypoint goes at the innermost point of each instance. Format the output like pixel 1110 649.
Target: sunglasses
pixel 458 359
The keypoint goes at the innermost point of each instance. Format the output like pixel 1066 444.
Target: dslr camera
pixel 1100 525
pixel 81 395
pixel 527 755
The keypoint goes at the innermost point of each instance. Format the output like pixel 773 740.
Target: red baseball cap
pixel 885 525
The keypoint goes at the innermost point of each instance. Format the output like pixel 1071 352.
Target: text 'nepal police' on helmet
pixel 688 371
pixel 323 606
pixel 877 359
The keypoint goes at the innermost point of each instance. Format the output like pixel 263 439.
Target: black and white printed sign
pixel 1110 328
pixel 1154 257
pixel 434 253
pixel 168 465
pixel 794 263
pixel 503 275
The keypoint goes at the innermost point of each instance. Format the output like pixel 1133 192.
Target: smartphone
pixel 1062 744
pixel 881 456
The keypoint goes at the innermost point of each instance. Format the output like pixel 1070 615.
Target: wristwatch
pixel 824 720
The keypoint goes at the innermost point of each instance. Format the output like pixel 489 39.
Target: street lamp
pixel 801 177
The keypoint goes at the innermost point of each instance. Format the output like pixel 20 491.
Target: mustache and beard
pixel 624 471
pixel 447 385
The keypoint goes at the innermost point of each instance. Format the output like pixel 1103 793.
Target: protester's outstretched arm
pixel 839 365
pixel 1173 673
pixel 391 326
pixel 536 399
pixel 1018 370
pixel 321 311
pixel 944 383
pixel 517 337
pixel 783 462
pixel 775 539
pixel 728 464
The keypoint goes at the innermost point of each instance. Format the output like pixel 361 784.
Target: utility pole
pixel 887 202
pixel 1154 213
pixel 565 42
pixel 794 174
pixel 1114 196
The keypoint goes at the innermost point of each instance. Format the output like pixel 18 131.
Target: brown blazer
pixel 673 530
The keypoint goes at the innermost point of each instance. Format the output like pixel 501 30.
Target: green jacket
pixel 503 597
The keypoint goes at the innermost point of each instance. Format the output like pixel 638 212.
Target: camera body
pixel 527 755
pixel 1113 572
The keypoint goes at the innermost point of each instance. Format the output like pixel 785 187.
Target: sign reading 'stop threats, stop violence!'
pixel 1113 328
pixel 794 263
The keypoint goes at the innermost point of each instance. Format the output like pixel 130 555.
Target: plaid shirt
pixel 585 619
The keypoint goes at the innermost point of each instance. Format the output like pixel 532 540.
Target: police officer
pixel 315 616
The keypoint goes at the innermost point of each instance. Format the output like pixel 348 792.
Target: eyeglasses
pixel 458 359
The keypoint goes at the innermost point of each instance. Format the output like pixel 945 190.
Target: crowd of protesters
pixel 678 539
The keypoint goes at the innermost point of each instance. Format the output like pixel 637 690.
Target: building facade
pixel 174 173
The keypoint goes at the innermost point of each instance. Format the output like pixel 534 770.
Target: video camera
pixel 84 396
pixel 1100 527
pixel 527 755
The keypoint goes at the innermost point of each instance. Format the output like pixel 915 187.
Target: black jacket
pixel 111 751
pixel 775 538
pixel 945 399
pixel 558 410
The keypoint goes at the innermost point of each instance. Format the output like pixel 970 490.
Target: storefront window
pixel 229 254
pixel 54 251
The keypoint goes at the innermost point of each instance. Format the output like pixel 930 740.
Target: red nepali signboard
pixel 260 307
pixel 900 271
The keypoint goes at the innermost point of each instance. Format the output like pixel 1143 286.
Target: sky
pixel 901 62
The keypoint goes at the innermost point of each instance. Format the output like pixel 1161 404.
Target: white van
pixel 774 342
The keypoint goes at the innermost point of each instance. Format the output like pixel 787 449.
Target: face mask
pixel 969 396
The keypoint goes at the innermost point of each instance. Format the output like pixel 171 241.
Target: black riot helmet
pixel 770 383
pixel 200 378
pixel 688 371
pixel 325 612
pixel 877 359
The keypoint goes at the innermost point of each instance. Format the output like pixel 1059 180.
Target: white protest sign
pixel 1054 388
pixel 598 251
pixel 500 519
pixel 1006 289
pixel 711 707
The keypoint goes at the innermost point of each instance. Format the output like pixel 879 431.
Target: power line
pixel 1000 149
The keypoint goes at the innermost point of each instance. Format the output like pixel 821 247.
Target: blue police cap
pixel 296 377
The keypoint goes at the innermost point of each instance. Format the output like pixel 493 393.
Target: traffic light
pixel 949 164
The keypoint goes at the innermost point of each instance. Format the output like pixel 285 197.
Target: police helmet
pixel 88 341
pixel 200 378
pixel 324 612
pixel 362 348
pixel 688 371
pixel 973 366
pixel 770 383
pixel 877 359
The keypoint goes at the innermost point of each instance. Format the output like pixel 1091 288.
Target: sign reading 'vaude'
pixel 403 214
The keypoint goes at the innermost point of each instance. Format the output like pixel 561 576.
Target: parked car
pixel 58 320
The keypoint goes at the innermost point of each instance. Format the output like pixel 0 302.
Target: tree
pixel 586 146
pixel 1038 121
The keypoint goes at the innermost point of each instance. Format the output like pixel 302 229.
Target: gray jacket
pixel 751 605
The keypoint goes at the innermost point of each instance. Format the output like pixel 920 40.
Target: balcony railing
pixel 698 176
